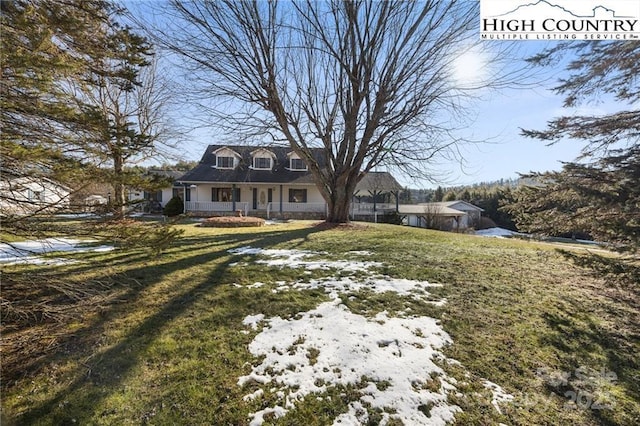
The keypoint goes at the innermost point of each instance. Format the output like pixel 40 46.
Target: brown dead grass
pixel 232 222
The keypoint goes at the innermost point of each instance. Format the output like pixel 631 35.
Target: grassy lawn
pixel 161 339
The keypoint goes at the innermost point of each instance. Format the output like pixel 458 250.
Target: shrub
pixel 232 222
pixel 174 207
pixel 392 217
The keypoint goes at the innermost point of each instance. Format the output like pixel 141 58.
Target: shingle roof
pixel 206 172
pixel 170 174
pixel 378 182
pixel 450 204
pixel 429 208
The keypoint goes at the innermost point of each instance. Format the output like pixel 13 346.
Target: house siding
pixel 23 196
pixel 256 184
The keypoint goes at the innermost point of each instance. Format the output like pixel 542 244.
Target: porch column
pixel 233 197
pixel 184 200
pixel 280 199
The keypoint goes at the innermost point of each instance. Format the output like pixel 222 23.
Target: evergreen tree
pixel 438 195
pixel 77 93
pixel 450 196
pixel 600 194
pixel 45 45
pixel 601 199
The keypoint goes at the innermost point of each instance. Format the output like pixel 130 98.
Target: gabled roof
pixel 15 177
pixel 378 182
pixel 436 209
pixel 467 206
pixel 442 208
pixel 170 174
pixel 206 172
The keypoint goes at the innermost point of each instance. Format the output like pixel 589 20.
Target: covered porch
pixel 269 201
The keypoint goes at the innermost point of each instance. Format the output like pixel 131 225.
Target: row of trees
pixel 81 97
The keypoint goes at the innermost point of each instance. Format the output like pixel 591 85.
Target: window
pixel 180 192
pixel 224 194
pixel 262 163
pixel 35 195
pixel 297 164
pixel 153 196
pixel 297 195
pixel 224 162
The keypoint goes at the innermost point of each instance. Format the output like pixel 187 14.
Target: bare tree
pixel 370 82
pixel 135 126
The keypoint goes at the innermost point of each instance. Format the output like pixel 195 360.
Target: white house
pixel 447 215
pixel 21 195
pixel 155 200
pixel 268 181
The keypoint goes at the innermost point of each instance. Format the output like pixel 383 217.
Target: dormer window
pixel 226 158
pixel 262 159
pixel 296 163
pixel 224 162
pixel 262 163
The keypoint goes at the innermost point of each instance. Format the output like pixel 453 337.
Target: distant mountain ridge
pixel 563 9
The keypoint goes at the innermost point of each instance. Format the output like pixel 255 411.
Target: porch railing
pixel 367 208
pixel 296 207
pixel 216 206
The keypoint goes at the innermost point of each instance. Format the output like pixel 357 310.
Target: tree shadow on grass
pixel 583 344
pixel 623 271
pixel 123 357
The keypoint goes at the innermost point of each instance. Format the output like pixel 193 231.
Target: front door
pixel 261 198
pixel 262 202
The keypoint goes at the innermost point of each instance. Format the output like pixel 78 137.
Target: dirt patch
pixel 232 222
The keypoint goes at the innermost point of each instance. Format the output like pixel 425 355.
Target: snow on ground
pixel 392 361
pixel 499 395
pixel 329 346
pixel 377 284
pixel 300 259
pixel 27 252
pixel 496 232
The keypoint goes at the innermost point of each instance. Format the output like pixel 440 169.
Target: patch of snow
pixel 394 355
pixel 392 360
pixel 299 259
pixel 245 250
pixel 254 395
pixel 359 253
pixel 499 395
pixel 253 320
pixel 258 417
pixel 26 252
pixel 496 232
pixel 377 284
pixel 255 285
pixel 76 215
pixel 357 415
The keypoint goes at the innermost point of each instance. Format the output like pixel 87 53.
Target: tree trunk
pixel 339 208
pixel 118 188
pixel 339 199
